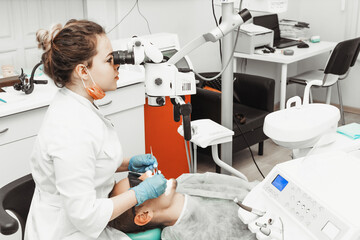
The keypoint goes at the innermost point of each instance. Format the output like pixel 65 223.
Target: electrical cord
pixel 227 64
pixel 252 155
pixel 231 56
pixel 282 229
pixel 123 17
pixel 127 14
pixel 147 22
pixel 217 24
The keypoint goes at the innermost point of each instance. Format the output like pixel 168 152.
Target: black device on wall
pixel 27 85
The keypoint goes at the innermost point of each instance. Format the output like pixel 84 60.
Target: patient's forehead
pixel 124 184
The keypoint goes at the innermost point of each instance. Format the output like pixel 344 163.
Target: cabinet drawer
pixel 122 99
pixel 21 125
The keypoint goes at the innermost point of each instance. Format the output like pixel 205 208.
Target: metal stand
pixel 227 85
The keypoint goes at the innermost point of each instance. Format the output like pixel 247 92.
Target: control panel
pixel 312 215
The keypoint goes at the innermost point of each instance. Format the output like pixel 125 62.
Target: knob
pixel 158 81
pixel 18 86
pixel 138 43
pixel 160 101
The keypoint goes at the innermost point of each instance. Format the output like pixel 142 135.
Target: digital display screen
pixel 279 182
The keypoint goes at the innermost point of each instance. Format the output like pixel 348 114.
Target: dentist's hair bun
pixel 45 37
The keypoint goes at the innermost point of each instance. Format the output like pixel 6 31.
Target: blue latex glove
pixel 142 163
pixel 151 187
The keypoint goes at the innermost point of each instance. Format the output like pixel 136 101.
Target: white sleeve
pixel 74 156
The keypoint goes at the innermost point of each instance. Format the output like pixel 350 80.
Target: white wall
pixel 19 21
pixel 188 18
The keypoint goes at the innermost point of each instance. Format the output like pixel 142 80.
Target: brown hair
pixel 125 222
pixel 65 47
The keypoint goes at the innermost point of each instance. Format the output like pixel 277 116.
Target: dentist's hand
pixel 151 187
pixel 142 163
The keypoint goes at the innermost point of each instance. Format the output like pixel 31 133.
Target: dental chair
pixel 342 58
pixel 16 197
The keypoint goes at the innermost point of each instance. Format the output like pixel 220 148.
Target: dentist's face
pixel 103 70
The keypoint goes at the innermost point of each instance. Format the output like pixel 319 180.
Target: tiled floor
pixel 273 154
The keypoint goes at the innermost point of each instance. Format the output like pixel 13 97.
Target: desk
pixel 284 60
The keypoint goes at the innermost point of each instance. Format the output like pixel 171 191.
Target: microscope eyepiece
pixel 123 57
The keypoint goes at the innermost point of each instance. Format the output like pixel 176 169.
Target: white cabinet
pixel 18 132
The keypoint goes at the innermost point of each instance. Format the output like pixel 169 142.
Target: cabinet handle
pixel 3 131
pixel 101 105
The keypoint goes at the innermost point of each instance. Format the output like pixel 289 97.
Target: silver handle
pixel 3 131
pixel 101 105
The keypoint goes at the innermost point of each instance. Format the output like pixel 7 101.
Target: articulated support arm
pixel 184 109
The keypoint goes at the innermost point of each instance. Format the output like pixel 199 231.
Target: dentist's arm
pixel 124 165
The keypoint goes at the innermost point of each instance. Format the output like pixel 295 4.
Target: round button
pixel 307 210
pixel 158 81
pixel 298 203
pixel 160 101
pixel 138 43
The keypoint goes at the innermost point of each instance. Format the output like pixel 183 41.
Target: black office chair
pixel 342 58
pixel 16 197
pixel 253 100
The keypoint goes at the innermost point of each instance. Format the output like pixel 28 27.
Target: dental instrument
pixel 155 170
pixel 249 209
pixel 151 152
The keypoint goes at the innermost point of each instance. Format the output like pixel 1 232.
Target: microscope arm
pixel 212 36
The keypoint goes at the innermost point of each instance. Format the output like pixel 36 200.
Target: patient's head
pixel 153 213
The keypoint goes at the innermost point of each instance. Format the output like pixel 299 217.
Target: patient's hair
pixel 125 222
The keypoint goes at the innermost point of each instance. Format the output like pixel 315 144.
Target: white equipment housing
pixel 173 82
pixel 302 126
pixel 316 198
pixel 206 132
pixel 165 80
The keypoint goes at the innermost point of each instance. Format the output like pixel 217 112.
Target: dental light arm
pixel 214 35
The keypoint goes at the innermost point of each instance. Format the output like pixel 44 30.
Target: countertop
pixel 18 101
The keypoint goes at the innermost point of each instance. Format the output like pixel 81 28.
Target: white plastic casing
pixel 206 132
pixel 165 80
pixel 301 127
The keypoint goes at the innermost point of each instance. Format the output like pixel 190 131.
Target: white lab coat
pixel 75 156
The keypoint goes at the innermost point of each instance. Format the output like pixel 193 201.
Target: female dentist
pixel 77 150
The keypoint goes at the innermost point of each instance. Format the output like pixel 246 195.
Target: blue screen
pixel 279 182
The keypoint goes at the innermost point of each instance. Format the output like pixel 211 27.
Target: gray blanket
pixel 210 212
